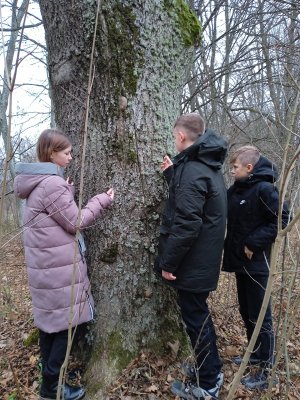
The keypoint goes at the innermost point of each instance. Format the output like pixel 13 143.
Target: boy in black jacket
pixel 253 204
pixel 191 243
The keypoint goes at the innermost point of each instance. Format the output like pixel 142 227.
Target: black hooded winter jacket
pixel 252 220
pixel 193 223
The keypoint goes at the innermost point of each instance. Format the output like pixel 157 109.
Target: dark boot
pixel 48 392
pixel 252 360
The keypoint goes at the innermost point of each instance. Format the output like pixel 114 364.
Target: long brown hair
pixel 51 140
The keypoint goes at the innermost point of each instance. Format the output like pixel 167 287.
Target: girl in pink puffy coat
pixel 50 219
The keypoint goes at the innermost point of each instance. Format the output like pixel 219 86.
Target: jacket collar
pixel 39 168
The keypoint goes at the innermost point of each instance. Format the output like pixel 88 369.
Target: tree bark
pixel 143 50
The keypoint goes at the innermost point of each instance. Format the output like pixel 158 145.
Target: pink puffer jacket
pixel 50 217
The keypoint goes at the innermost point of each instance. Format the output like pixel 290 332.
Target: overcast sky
pixel 31 103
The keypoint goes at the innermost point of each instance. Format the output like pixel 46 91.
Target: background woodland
pixel 114 75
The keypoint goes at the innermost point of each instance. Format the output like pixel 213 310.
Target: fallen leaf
pixel 152 389
pixel 33 360
pixel 160 363
pixel 231 351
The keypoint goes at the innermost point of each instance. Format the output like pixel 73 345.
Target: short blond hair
pixel 246 155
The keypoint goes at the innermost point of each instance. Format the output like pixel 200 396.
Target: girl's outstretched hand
pixel 111 193
pixel 69 182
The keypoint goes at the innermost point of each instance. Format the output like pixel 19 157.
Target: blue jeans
pixel 201 331
pixel 251 291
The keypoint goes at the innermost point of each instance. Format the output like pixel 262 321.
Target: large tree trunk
pixel 143 49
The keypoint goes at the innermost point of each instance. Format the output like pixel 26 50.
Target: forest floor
pixel 148 376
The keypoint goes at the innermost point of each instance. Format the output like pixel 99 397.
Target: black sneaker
pixel 191 391
pixel 259 380
pixel 67 392
pixel 74 374
pixel 189 371
pixel 252 360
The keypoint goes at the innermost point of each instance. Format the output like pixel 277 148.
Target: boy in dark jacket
pixel 253 204
pixel 191 241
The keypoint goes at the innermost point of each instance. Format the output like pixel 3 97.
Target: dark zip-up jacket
pixel 252 220
pixel 193 223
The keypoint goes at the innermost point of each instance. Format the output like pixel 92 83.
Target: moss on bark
pixel 122 56
pixel 118 356
pixel 124 149
pixel 32 338
pixel 187 20
pixel 109 254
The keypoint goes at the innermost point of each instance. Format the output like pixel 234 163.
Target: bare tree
pixel 246 70
pixel 20 51
pixel 246 81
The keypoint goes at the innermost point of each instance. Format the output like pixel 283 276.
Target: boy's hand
pixel 248 252
pixel 166 163
pixel 168 275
